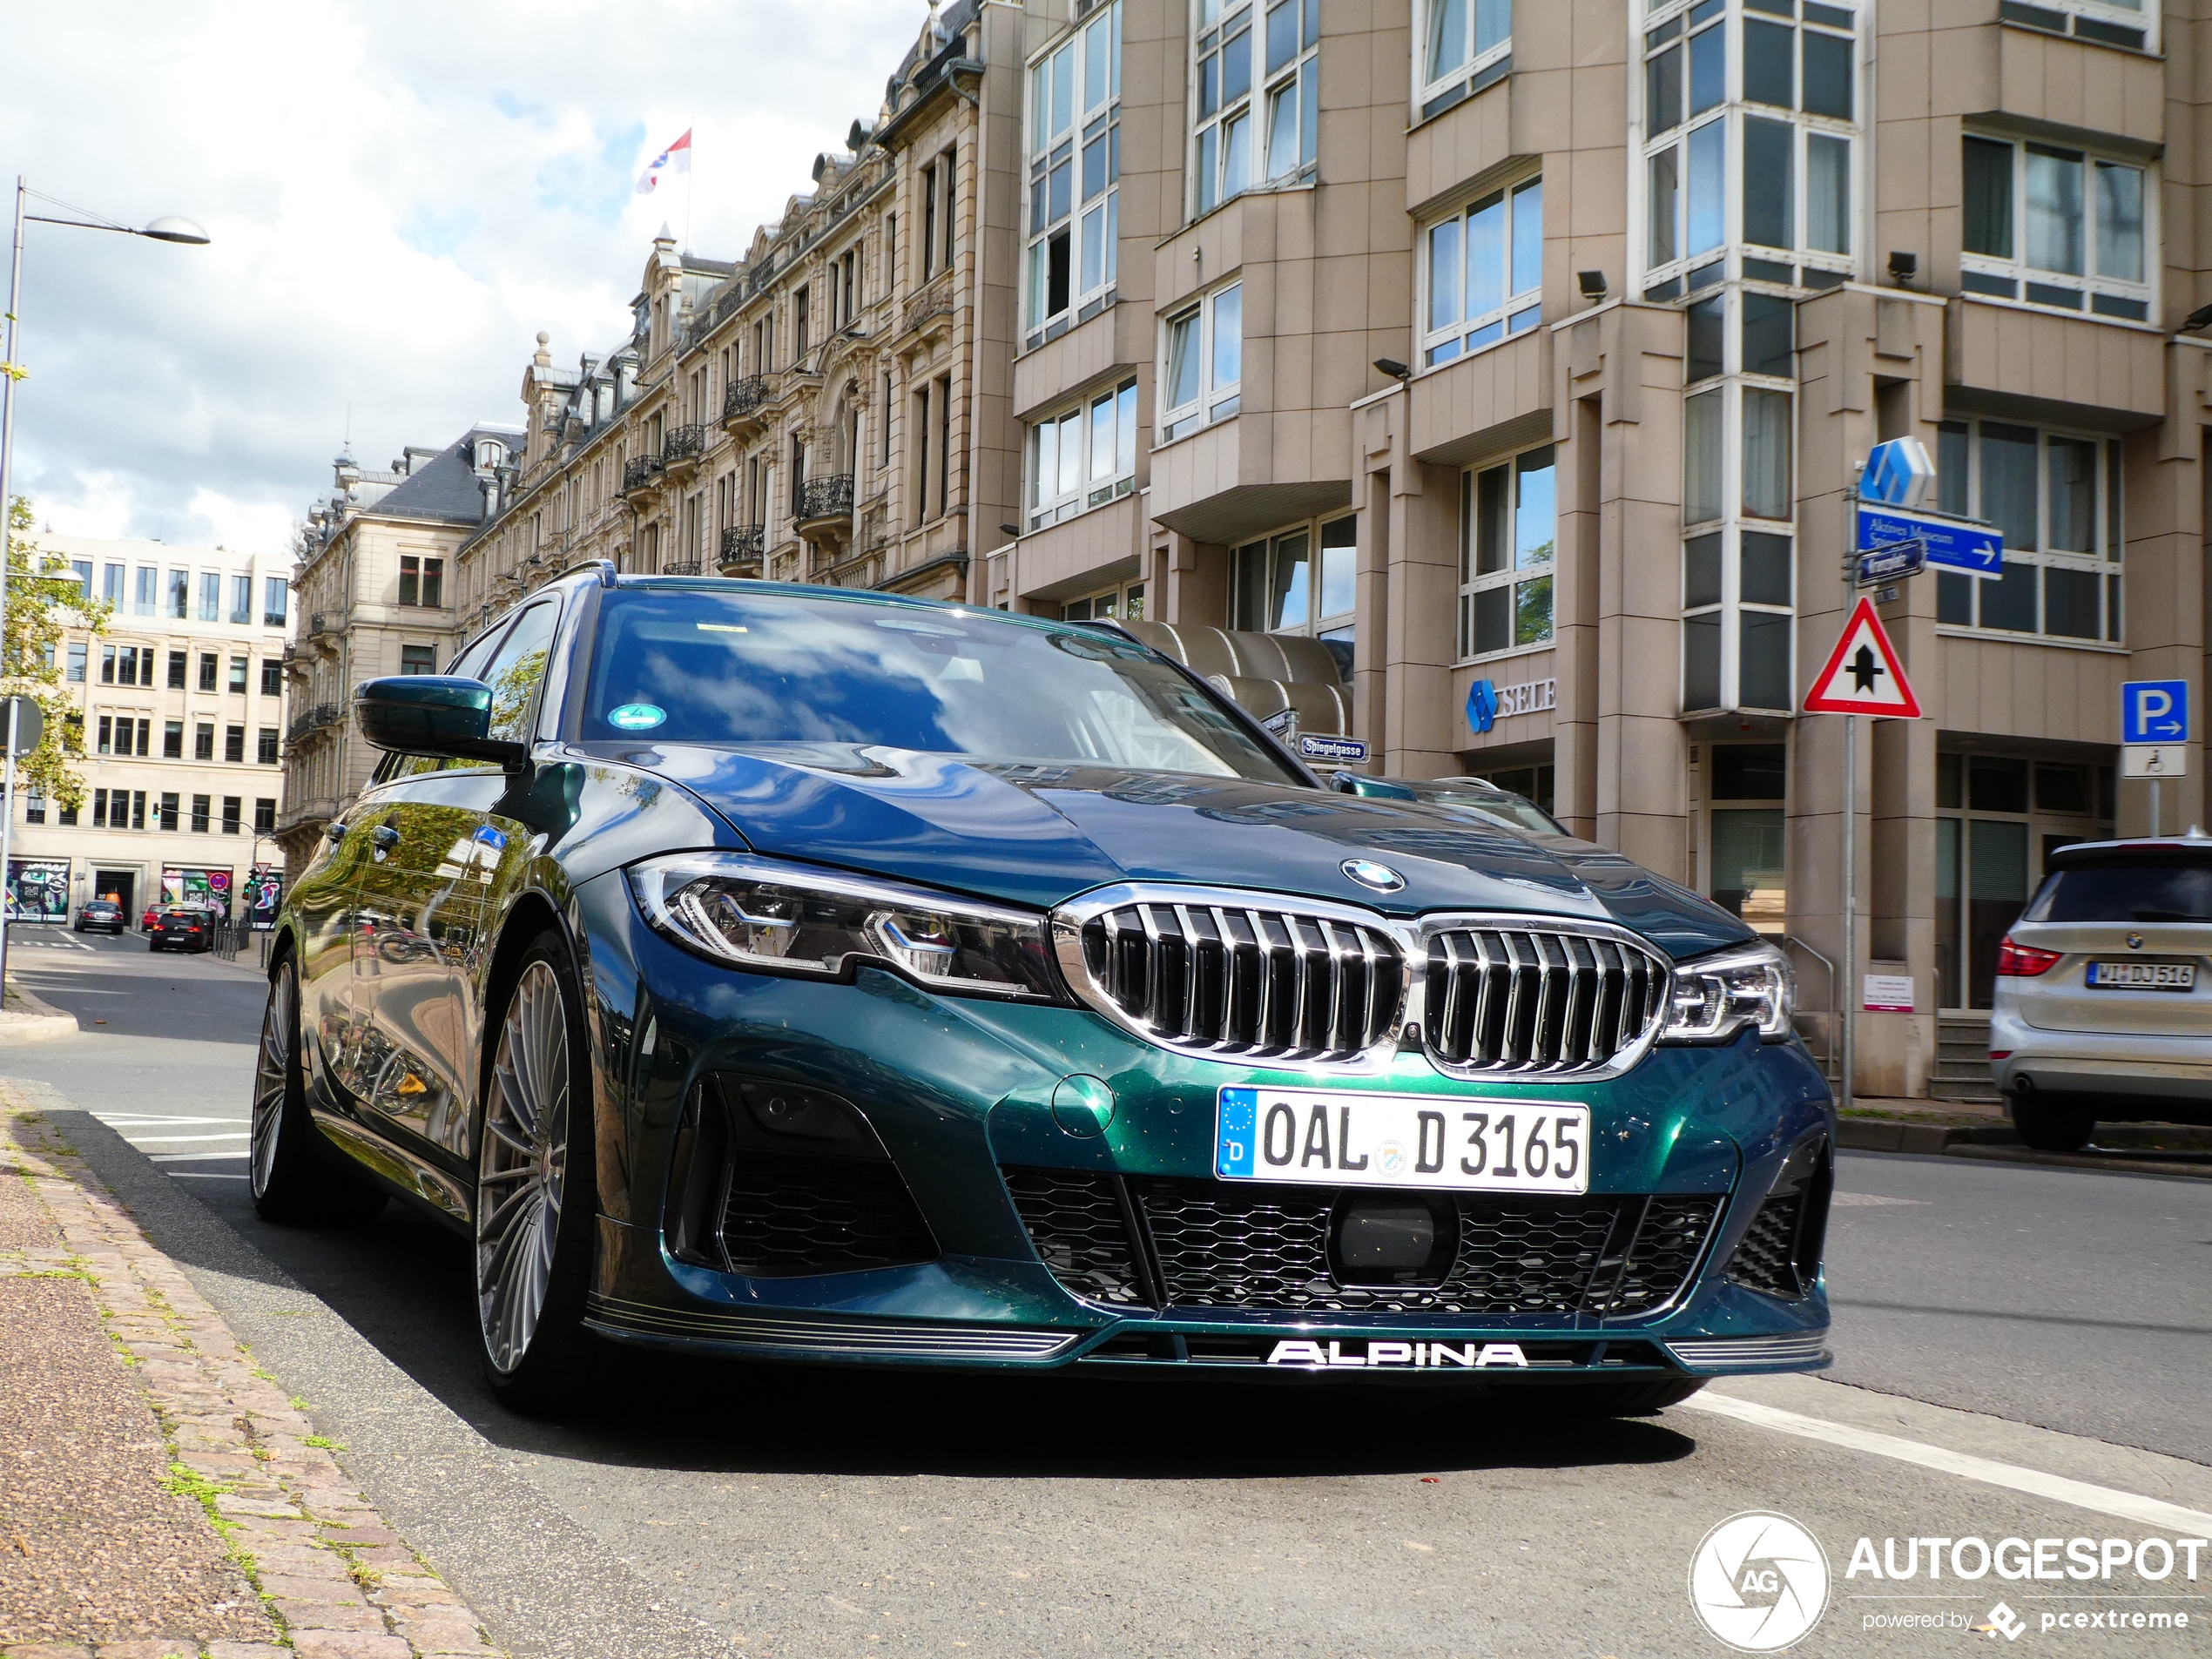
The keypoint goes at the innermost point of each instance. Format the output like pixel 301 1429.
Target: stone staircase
pixel 1962 1059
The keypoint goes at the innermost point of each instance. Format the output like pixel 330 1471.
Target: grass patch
pixel 321 1442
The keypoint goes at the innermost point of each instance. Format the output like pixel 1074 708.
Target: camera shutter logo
pixel 1759 1582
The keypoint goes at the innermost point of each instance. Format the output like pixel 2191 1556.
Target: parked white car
pixel 2104 991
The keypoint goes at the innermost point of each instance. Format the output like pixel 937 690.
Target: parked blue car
pixel 815 975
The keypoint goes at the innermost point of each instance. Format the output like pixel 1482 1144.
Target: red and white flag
pixel 675 159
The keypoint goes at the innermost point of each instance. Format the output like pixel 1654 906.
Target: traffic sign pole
pixel 7 831
pixel 1848 1046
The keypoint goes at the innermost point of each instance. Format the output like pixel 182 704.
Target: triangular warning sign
pixel 1864 675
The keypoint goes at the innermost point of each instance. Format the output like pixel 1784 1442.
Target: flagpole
pixel 690 167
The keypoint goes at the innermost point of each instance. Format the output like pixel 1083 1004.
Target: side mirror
pixel 433 714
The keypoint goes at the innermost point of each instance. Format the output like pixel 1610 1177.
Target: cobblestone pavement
pixel 159 1497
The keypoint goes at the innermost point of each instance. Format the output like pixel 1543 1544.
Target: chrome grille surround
pixel 1308 984
pixel 1538 996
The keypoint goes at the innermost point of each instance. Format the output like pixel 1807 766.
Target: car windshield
pixel 2142 887
pixel 752 667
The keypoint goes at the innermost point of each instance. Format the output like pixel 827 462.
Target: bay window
pixel 1508 534
pixel 1241 45
pixel 1205 366
pixel 1483 273
pixel 1075 155
pixel 1465 45
pixel 2056 496
pixel 1084 456
pixel 2055 226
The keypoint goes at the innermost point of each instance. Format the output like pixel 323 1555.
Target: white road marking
pixel 164 1140
pixel 127 1119
pixel 2105 1500
pixel 1849 1198
pixel 185 1157
pixel 205 1174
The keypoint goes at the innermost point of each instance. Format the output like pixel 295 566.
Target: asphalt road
pixel 2052 1321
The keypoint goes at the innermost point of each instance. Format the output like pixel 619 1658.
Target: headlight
pixel 789 919
pixel 1716 996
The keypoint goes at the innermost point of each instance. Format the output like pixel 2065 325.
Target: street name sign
pixel 1314 746
pixel 1863 675
pixel 1953 543
pixel 1881 565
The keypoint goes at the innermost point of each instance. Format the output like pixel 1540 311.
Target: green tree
pixel 44 601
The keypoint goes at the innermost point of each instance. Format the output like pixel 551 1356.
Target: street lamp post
pixel 166 229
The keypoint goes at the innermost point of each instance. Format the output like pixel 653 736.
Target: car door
pixel 425 913
pixel 323 908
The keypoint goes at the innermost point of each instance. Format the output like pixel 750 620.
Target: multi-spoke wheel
pixel 283 1175
pixel 535 1198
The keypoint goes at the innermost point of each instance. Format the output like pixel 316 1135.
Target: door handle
pixel 384 837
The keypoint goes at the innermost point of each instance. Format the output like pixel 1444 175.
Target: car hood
pixel 1038 835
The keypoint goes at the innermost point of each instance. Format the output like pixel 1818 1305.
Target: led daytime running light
pixel 1715 997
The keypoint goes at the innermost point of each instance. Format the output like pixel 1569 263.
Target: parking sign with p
pixel 2155 711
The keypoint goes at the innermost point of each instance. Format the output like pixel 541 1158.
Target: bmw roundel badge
pixel 1368 874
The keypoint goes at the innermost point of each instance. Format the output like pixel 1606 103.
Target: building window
pixel 179 663
pixel 265 749
pixel 238 666
pixel 67 818
pixel 1483 272
pixel 1083 457
pixel 275 598
pixel 2057 497
pixel 1508 537
pixel 1236 49
pixel 78 656
pixel 264 815
pixel 1124 602
pixel 1204 363
pixel 203 741
pixel 1275 588
pixel 2055 226
pixel 1757 96
pixel 179 605
pixel 231 804
pixel 34 805
pixel 210 666
pixel 200 815
pixel 1075 147
pixel 938 217
pixel 272 676
pixel 2116 23
pixel 233 743
pixel 167 811
pixel 241 600
pixel 211 597
pixel 82 571
pixel 1747 834
pixel 418 659
pixel 422 581
pixel 173 741
pixel 1466 45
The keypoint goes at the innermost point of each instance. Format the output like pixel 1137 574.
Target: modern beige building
pixel 1497 373
pixel 183 703
pixel 375 597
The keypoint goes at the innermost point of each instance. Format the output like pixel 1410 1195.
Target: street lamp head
pixel 170 228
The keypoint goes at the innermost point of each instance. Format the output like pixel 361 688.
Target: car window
pixel 518 670
pixel 469 663
pixel 693 667
pixel 1499 807
pixel 2139 886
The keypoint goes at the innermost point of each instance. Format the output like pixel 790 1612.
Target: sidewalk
pixel 159 1497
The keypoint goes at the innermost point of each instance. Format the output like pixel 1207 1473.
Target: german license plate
pixel 1335 1139
pixel 2143 976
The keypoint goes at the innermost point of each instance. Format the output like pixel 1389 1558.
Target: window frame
pixel 2012 279
pixel 1213 400
pixel 1520 308
pixel 1292 85
pixel 1091 125
pixel 1091 488
pixel 1513 574
pixel 1122 602
pixel 1317 623
pixel 2108 23
pixel 2108 516
pixel 1480 66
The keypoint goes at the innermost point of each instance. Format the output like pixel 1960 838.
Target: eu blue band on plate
pixel 1236 1132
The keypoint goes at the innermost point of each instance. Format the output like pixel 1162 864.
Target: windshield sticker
pixel 637 717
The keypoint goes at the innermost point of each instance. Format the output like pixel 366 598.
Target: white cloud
pixel 400 196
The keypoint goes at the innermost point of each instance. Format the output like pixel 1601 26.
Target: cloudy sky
pixel 400 195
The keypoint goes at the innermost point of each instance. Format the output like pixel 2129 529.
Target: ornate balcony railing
pixel 313 719
pixel 828 496
pixel 743 545
pixel 679 567
pixel 683 443
pixel 744 398
pixel 641 470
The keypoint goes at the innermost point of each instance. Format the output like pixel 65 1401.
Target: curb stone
pixel 337 1583
pixel 26 1018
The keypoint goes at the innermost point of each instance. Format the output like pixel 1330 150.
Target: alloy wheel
pixel 273 1078
pixel 522 1167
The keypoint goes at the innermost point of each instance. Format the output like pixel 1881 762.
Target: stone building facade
pixel 183 700
pixel 1507 364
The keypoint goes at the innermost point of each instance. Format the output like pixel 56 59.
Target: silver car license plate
pixel 2142 976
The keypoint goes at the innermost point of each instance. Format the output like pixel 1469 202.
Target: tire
pixel 2052 1125
pixel 287 1181
pixel 536 1202
pixel 1622 1398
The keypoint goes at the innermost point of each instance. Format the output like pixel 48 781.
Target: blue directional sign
pixel 2155 711
pixel 1979 550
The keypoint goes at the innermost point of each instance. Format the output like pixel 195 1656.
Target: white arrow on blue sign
pixel 2155 711
pixel 1979 550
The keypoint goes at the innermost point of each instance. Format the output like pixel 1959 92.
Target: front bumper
pixel 961 1095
